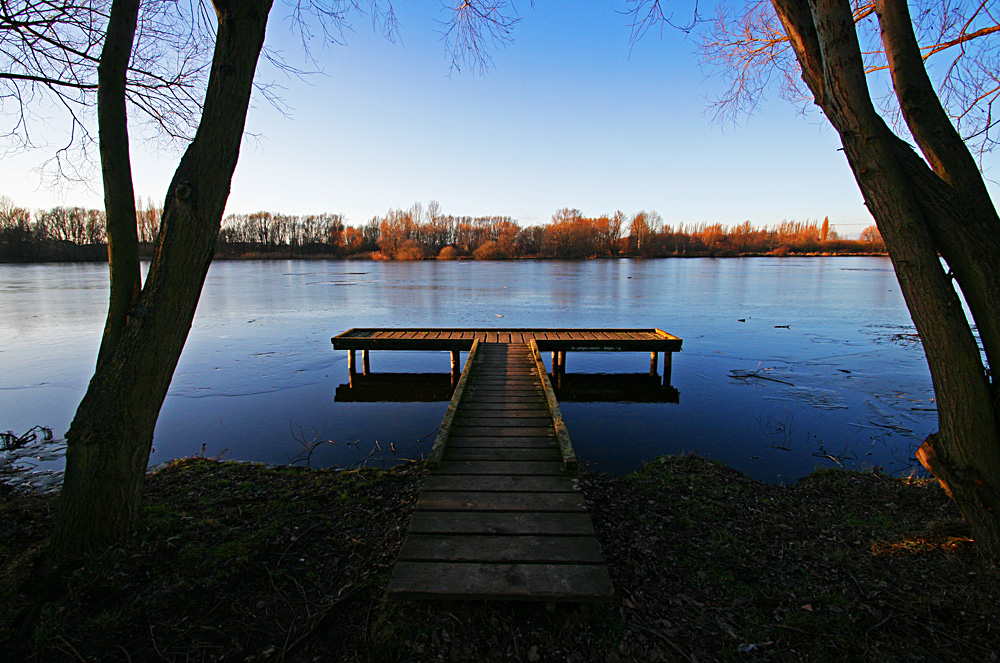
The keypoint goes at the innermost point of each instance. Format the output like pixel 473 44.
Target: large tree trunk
pixel 920 214
pixel 111 436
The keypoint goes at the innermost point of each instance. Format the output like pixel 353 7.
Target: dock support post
pixel 351 368
pixel 668 361
pixel 364 362
pixel 555 363
pixel 456 362
pixel 562 362
pixel 652 363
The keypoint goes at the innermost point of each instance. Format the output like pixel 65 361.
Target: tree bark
pixel 116 170
pixel 111 436
pixel 912 206
pixel 971 243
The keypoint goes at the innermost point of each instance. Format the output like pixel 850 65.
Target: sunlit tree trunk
pixel 111 436
pixel 920 213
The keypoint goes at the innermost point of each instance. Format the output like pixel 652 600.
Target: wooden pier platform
pixel 500 516
pixel 558 341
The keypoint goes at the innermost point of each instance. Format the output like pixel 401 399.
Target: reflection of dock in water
pixel 500 516
pixel 575 388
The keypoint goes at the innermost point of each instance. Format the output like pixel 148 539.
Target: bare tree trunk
pixel 116 169
pixel 110 438
pixel 919 215
pixel 971 243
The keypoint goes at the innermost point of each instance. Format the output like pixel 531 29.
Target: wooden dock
pixel 500 516
pixel 558 341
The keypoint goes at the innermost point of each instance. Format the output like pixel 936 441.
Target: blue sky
pixel 570 115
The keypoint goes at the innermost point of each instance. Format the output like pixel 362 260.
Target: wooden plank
pixel 481 400
pixel 505 454
pixel 527 386
pixel 474 415
pixel 490 408
pixel 492 549
pixel 501 467
pixel 526 582
pixel 512 378
pixel 493 483
pixel 501 522
pixel 502 431
pixel 493 442
pixel 431 500
pixel 498 422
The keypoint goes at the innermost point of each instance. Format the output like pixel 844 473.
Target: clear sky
pixel 570 115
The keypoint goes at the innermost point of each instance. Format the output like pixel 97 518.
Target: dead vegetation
pixel 239 562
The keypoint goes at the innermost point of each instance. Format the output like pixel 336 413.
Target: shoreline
pixel 366 258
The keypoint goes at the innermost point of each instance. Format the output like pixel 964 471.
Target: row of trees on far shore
pixel 417 233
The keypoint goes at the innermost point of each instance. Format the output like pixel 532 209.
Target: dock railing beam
pixel 444 430
pixel 569 459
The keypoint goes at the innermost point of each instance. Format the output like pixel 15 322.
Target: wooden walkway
pixel 499 516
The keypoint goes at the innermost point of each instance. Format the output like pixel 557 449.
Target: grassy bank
pixel 238 562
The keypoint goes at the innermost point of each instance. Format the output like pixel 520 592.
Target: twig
pixel 316 623
pixel 155 647
pixel 72 649
pixel 756 374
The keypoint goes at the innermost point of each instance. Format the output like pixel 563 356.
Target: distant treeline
pixel 417 233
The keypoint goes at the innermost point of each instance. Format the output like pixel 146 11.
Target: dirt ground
pixel 238 562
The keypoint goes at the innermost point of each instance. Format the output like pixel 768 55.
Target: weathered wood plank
pixel 493 442
pixel 536 422
pixel 505 389
pixel 474 400
pixel 501 467
pixel 493 483
pixel 431 500
pixel 527 582
pixel 538 408
pixel 503 431
pixel 500 522
pixel 506 413
pixel 493 549
pixel 495 453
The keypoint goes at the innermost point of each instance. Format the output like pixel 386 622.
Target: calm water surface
pixel 845 383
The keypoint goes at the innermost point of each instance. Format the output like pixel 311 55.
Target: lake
pixel 788 364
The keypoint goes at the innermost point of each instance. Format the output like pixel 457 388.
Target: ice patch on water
pixel 824 399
